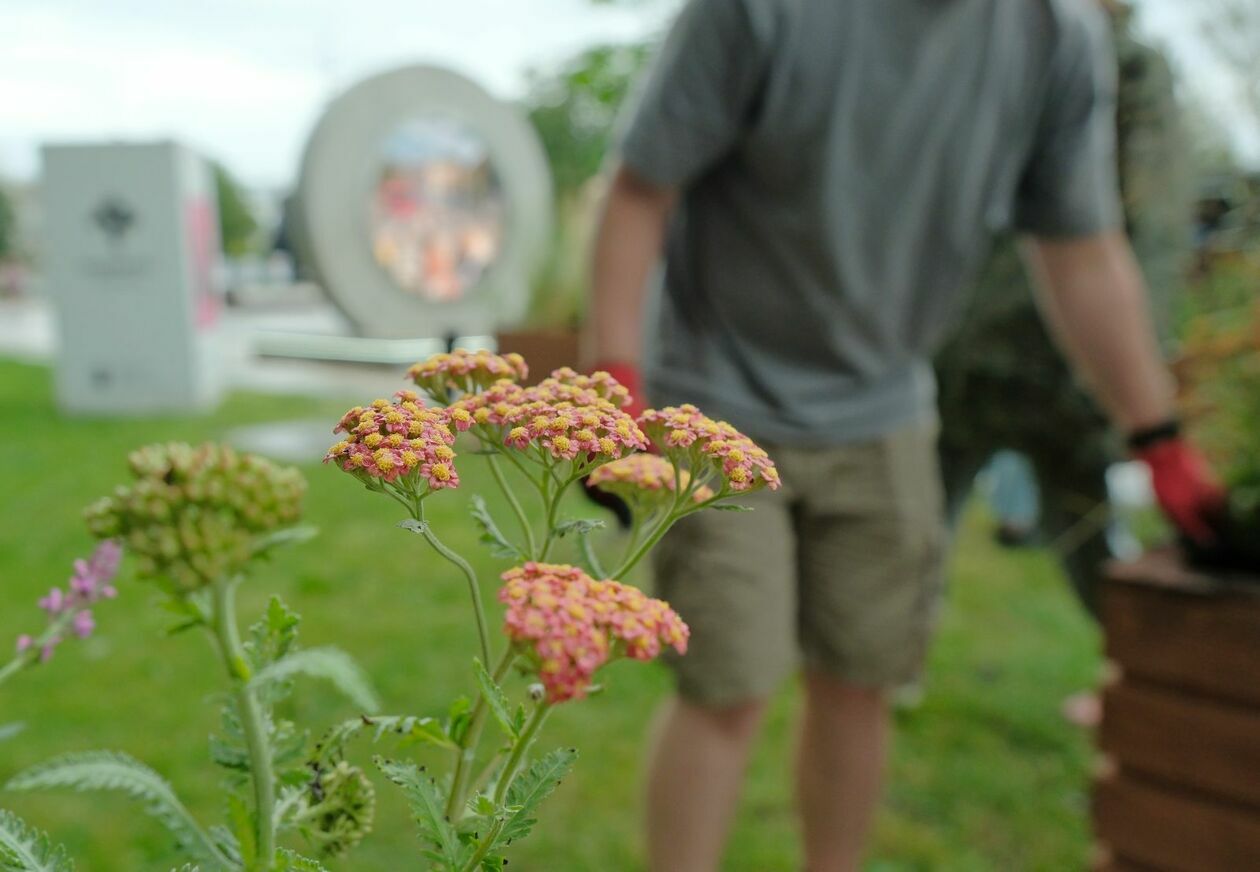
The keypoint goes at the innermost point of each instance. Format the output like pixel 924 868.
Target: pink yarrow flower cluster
pixel 465 372
pixel 572 624
pixel 644 476
pixel 399 441
pixel 566 416
pixel 683 432
pixel 70 609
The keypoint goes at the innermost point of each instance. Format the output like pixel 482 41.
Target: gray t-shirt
pixel 843 165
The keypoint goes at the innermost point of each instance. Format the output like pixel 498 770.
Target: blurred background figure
pixel 1004 385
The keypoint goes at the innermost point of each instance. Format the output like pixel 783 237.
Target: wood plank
pixel 1206 644
pixel 1166 568
pixel 1187 740
pixel 1174 831
pixel 1103 859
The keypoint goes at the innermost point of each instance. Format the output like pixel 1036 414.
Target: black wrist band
pixel 1148 436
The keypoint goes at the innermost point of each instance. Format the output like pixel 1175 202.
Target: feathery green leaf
pixel 495 699
pixel 25 849
pixel 110 770
pixel 530 788
pixel 328 663
pixel 428 808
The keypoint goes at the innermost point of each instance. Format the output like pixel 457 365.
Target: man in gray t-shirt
pixel 822 177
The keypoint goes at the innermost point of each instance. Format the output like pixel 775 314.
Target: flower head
pixel 572 624
pixel 568 416
pixel 465 372
pixel 645 479
pixel 194 514
pixel 402 443
pixel 709 447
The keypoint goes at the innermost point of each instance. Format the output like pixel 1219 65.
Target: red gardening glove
pixel 1187 490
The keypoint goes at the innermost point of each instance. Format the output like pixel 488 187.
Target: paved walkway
pixel 28 331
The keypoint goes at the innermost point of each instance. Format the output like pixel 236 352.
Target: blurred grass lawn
pixel 986 775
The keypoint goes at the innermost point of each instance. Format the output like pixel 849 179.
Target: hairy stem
pixel 646 545
pixel 467 753
pixel 592 559
pixel 484 848
pixel 13 667
pixel 553 505
pixel 519 750
pixel 253 723
pixel 474 589
pixel 526 527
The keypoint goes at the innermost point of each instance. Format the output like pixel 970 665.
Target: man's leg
pixel 732 578
pixel 696 766
pixel 870 538
pixel 839 770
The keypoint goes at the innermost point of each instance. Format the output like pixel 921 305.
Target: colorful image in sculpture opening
pixel 437 210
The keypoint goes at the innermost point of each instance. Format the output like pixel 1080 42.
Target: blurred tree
pixel 8 227
pixel 1233 30
pixel 238 229
pixel 574 109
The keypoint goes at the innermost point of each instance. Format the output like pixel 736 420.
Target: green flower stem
pixel 644 547
pixel 474 589
pixel 486 844
pixel 523 742
pixel 526 527
pixel 592 559
pixel 467 752
pixel 553 506
pixel 252 721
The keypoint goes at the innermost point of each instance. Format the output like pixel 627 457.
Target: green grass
pixel 985 773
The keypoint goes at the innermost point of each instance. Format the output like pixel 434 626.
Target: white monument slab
pixel 130 253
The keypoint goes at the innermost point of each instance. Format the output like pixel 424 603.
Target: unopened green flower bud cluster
pixel 339 809
pixel 193 514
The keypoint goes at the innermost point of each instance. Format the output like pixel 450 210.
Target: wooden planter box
pixel 1179 786
pixel 543 350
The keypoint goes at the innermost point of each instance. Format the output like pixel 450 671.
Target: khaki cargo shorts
pixel 839 570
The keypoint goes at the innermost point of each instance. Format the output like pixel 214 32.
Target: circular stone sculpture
pixel 423 206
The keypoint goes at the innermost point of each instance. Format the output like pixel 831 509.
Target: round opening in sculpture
pixel 437 209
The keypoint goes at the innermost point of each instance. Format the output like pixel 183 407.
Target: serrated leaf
pixel 25 849
pixel 292 861
pixel 459 716
pixel 273 636
pixel 8 731
pixel 495 699
pixel 408 728
pixel 113 771
pixel 242 823
pixel 500 545
pixel 328 663
pixel 288 536
pixel 428 808
pixel 227 843
pixel 579 527
pixel 730 507
pixel 530 788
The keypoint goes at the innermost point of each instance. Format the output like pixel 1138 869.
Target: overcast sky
pixel 244 80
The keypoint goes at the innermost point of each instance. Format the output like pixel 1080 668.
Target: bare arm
pixel 627 247
pixel 1093 297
